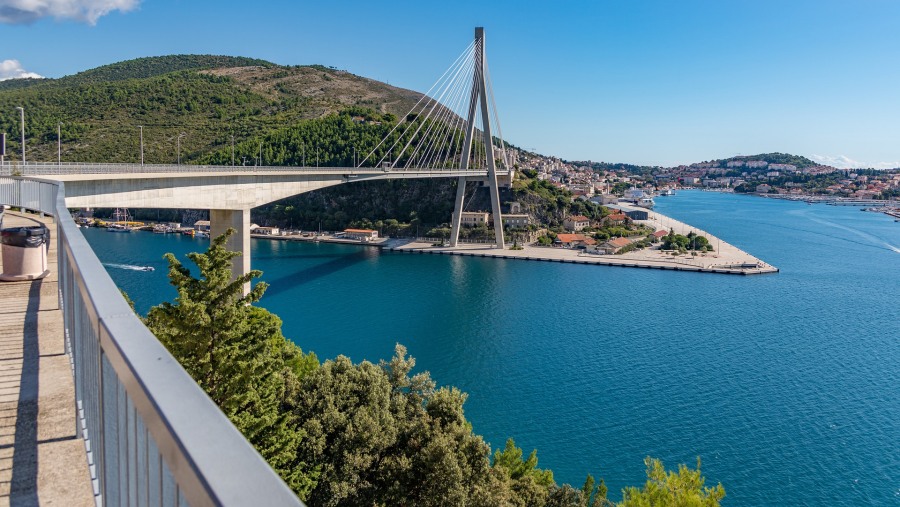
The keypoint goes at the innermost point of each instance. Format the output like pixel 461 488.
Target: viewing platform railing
pixel 152 435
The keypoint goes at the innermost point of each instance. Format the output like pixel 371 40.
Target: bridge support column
pixel 456 219
pixel 219 222
pixel 495 209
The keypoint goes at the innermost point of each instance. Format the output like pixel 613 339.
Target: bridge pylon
pixel 478 96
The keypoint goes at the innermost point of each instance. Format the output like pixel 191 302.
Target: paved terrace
pixel 42 459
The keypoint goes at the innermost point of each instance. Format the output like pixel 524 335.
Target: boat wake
pixel 128 267
pixel 874 239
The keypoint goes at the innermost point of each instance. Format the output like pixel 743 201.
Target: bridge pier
pixel 456 219
pixel 219 222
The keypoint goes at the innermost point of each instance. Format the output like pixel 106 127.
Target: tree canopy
pixel 237 354
pixel 341 433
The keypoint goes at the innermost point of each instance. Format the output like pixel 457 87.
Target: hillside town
pixel 773 175
pixel 740 174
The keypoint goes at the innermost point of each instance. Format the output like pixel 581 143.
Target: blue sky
pixel 651 82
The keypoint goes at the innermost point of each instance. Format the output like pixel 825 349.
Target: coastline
pixel 726 259
pixel 889 207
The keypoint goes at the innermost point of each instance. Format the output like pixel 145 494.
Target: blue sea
pixel 786 386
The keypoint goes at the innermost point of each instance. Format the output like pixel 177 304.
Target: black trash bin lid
pixel 33 230
pixel 24 236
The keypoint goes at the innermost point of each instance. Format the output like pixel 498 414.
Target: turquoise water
pixel 787 386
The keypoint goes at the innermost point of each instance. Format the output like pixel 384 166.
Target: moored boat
pixel 121 223
pixel 645 202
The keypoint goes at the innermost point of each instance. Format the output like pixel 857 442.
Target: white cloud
pixel 12 69
pixel 16 12
pixel 845 162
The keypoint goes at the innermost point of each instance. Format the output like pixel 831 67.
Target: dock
pixel 42 457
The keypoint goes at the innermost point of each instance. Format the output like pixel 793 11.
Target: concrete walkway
pixel 726 259
pixel 42 460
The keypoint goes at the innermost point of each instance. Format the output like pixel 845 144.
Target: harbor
pixel 723 259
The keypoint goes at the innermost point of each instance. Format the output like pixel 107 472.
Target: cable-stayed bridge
pixel 453 131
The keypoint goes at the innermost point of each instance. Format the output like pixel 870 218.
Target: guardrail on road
pixel 10 168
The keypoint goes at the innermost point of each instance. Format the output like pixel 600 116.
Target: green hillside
pixel 207 98
pixel 278 115
pixel 775 158
pixel 141 68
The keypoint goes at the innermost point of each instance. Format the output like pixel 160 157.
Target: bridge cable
pixel 436 102
pixel 457 106
pixel 436 136
pixel 466 53
pixel 496 115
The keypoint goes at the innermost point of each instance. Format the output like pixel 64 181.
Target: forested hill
pixel 141 68
pixel 278 115
pixel 207 98
pixel 799 161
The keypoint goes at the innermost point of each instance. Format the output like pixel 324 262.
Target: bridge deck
pixel 42 459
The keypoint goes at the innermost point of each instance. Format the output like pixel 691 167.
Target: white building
pixel 361 234
pixel 474 218
pixel 516 220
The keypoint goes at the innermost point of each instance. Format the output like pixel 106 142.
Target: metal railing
pixel 152 435
pixel 10 168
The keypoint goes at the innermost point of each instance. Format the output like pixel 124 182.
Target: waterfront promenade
pixel 42 458
pixel 726 259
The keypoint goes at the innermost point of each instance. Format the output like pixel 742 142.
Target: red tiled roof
pixel 661 234
pixel 571 238
pixel 619 242
pixel 579 218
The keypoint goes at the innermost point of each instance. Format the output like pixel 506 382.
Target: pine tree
pixel 237 354
pixel 686 487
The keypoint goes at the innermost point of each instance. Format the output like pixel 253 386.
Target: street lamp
pixel 178 142
pixel 22 110
pixel 232 151
pixel 142 143
pixel 59 143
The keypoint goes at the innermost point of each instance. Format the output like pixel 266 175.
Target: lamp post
pixel 232 151
pixel 22 110
pixel 58 143
pixel 178 143
pixel 260 153
pixel 142 143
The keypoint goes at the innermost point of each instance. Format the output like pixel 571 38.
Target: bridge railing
pixel 152 436
pixel 15 168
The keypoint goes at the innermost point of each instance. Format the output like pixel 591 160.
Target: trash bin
pixel 24 253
